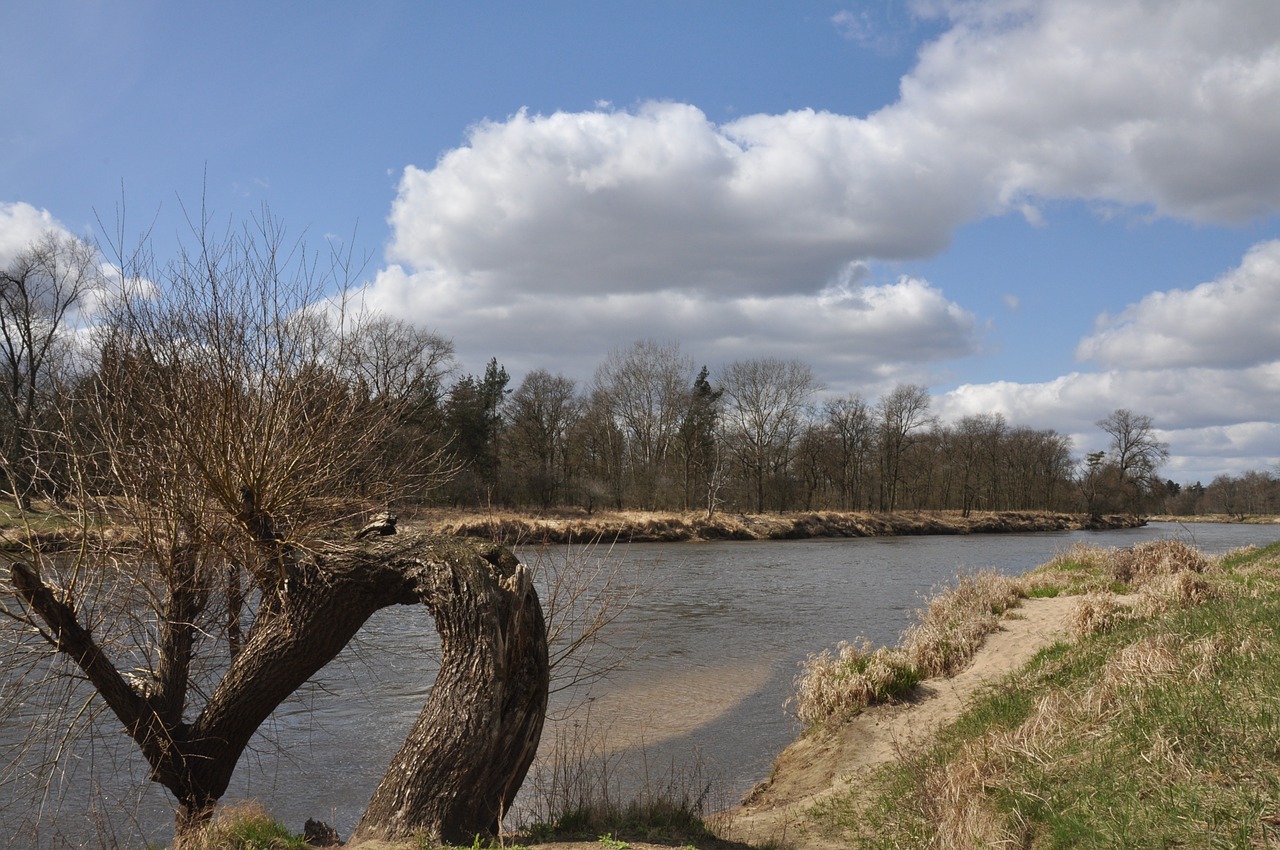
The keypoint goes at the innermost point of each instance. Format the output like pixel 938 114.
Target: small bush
pixel 1145 561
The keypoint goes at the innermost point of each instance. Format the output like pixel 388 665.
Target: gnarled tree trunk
pixel 463 762
pixel 469 750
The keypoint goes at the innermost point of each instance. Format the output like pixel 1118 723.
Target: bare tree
pixel 646 388
pixel 853 438
pixel 903 417
pixel 40 290
pixel 219 432
pixel 540 413
pixel 764 401
pixel 1136 452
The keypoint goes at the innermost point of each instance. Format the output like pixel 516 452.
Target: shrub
pixel 1145 561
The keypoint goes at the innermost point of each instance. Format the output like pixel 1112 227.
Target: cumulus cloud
pixel 1233 321
pixel 1203 363
pixel 1176 398
pixel 855 337
pixel 661 197
pixel 21 224
pixel 1171 109
pixel 562 235
pixel 1162 105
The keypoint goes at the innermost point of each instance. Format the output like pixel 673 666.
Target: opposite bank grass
pixel 1158 727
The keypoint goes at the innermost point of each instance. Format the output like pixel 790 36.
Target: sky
pixel 1046 209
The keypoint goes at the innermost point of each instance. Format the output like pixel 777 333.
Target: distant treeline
pixel 649 431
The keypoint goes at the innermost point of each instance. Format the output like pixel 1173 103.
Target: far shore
pixel 47 529
pixel 512 528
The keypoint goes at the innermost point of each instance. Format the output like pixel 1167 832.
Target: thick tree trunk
pixel 462 764
pixel 478 732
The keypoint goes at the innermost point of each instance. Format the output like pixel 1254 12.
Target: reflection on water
pixel 651 711
pixel 719 634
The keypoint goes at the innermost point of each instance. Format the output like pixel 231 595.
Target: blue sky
pixel 1045 209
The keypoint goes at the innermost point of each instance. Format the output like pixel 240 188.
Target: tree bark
pixel 470 749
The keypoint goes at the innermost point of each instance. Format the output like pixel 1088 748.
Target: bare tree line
pixel 754 436
pixel 649 431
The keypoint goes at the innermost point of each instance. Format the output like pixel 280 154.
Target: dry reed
pixel 837 685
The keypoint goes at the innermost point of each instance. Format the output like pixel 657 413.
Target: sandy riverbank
pixel 827 759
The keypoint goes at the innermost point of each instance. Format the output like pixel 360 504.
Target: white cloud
pixel 1233 321
pixel 661 198
pixel 1203 363
pixel 553 238
pixel 21 224
pixel 868 335
pixel 1175 398
pixel 1165 104
pixel 1169 108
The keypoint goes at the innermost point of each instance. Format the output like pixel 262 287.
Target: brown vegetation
pixel 666 527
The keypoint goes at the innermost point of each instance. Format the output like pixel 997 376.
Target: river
pixel 715 639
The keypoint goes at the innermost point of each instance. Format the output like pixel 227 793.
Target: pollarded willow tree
pixel 221 439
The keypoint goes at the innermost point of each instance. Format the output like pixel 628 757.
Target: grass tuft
pixel 836 685
pixel 245 826
pixel 840 684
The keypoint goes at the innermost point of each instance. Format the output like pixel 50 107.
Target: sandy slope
pixel 823 762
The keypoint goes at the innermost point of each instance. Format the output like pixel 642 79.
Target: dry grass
pixel 1167 574
pixel 837 685
pixel 1157 730
pixel 568 526
pixel 245 826
pixel 1145 561
pixel 953 626
pixel 582 789
pixel 1097 612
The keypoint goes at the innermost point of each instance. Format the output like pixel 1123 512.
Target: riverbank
pixel 1129 700
pixel 669 527
pixel 1146 668
pixel 47 528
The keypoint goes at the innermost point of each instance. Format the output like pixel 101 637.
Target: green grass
pixel 1163 732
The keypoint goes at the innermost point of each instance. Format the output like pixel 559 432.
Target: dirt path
pixel 821 763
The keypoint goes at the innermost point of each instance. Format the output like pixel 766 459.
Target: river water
pixel 714 641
